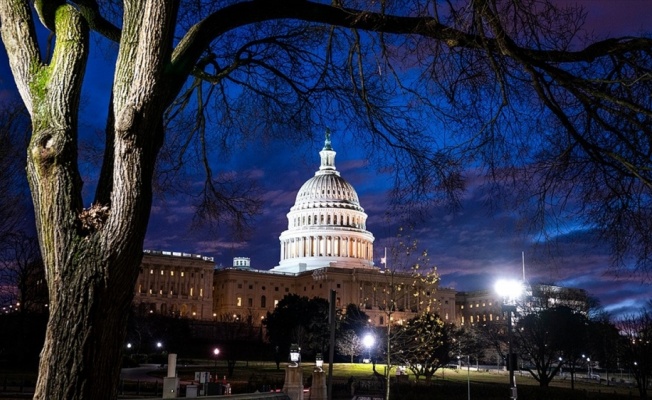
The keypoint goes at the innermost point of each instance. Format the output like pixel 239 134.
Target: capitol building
pixel 326 247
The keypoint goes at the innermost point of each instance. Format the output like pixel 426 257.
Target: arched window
pixel 263 301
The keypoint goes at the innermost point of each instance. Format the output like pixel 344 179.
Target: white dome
pixel 326 225
pixel 327 190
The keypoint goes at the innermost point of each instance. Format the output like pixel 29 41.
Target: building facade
pixel 176 284
pixel 485 306
pixel 249 294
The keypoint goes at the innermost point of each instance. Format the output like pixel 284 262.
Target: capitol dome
pixel 326 225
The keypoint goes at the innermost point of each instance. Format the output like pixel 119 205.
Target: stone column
pixel 293 385
pixel 318 389
pixel 171 382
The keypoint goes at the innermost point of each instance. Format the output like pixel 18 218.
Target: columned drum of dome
pixel 326 225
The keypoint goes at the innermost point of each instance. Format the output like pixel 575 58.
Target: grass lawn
pixel 446 385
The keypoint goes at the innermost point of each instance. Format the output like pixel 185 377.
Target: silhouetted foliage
pixel 636 347
pixel 545 336
pixel 299 320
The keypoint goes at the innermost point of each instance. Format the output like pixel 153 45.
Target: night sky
pixel 471 246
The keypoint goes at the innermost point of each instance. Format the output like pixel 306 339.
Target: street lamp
pixel 510 291
pixel 216 352
pixel 588 366
pixel 368 341
pixel 295 355
pixel 319 362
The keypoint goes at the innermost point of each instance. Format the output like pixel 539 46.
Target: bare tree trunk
pixel 91 255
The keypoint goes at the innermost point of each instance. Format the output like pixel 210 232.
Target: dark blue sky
pixel 471 247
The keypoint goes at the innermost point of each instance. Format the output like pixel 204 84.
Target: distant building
pixel 176 284
pixel 483 306
pixel 248 294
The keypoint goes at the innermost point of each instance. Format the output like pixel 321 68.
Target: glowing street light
pixel 368 341
pixel 510 291
pixel 216 352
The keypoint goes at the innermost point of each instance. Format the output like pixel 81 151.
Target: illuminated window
pixel 191 290
pixel 162 272
pixel 182 274
pixel 275 303
pixel 238 302
pixel 171 273
pixel 201 292
pixel 151 272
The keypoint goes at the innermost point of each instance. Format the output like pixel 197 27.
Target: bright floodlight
pixel 368 340
pixel 216 351
pixel 509 289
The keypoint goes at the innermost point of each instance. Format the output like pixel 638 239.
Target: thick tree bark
pixel 92 255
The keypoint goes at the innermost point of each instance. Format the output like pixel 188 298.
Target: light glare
pixel 508 288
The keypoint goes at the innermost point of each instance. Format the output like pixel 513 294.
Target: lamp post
pixel 293 385
pixel 295 355
pixel 589 374
pixel 319 362
pixel 561 370
pixel 216 352
pixel 368 341
pixel 510 290
pixel 468 373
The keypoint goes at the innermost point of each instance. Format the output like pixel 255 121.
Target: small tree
pixel 348 344
pixel 408 285
pixel 424 345
pixel 636 347
pixel 469 341
pixel 547 335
